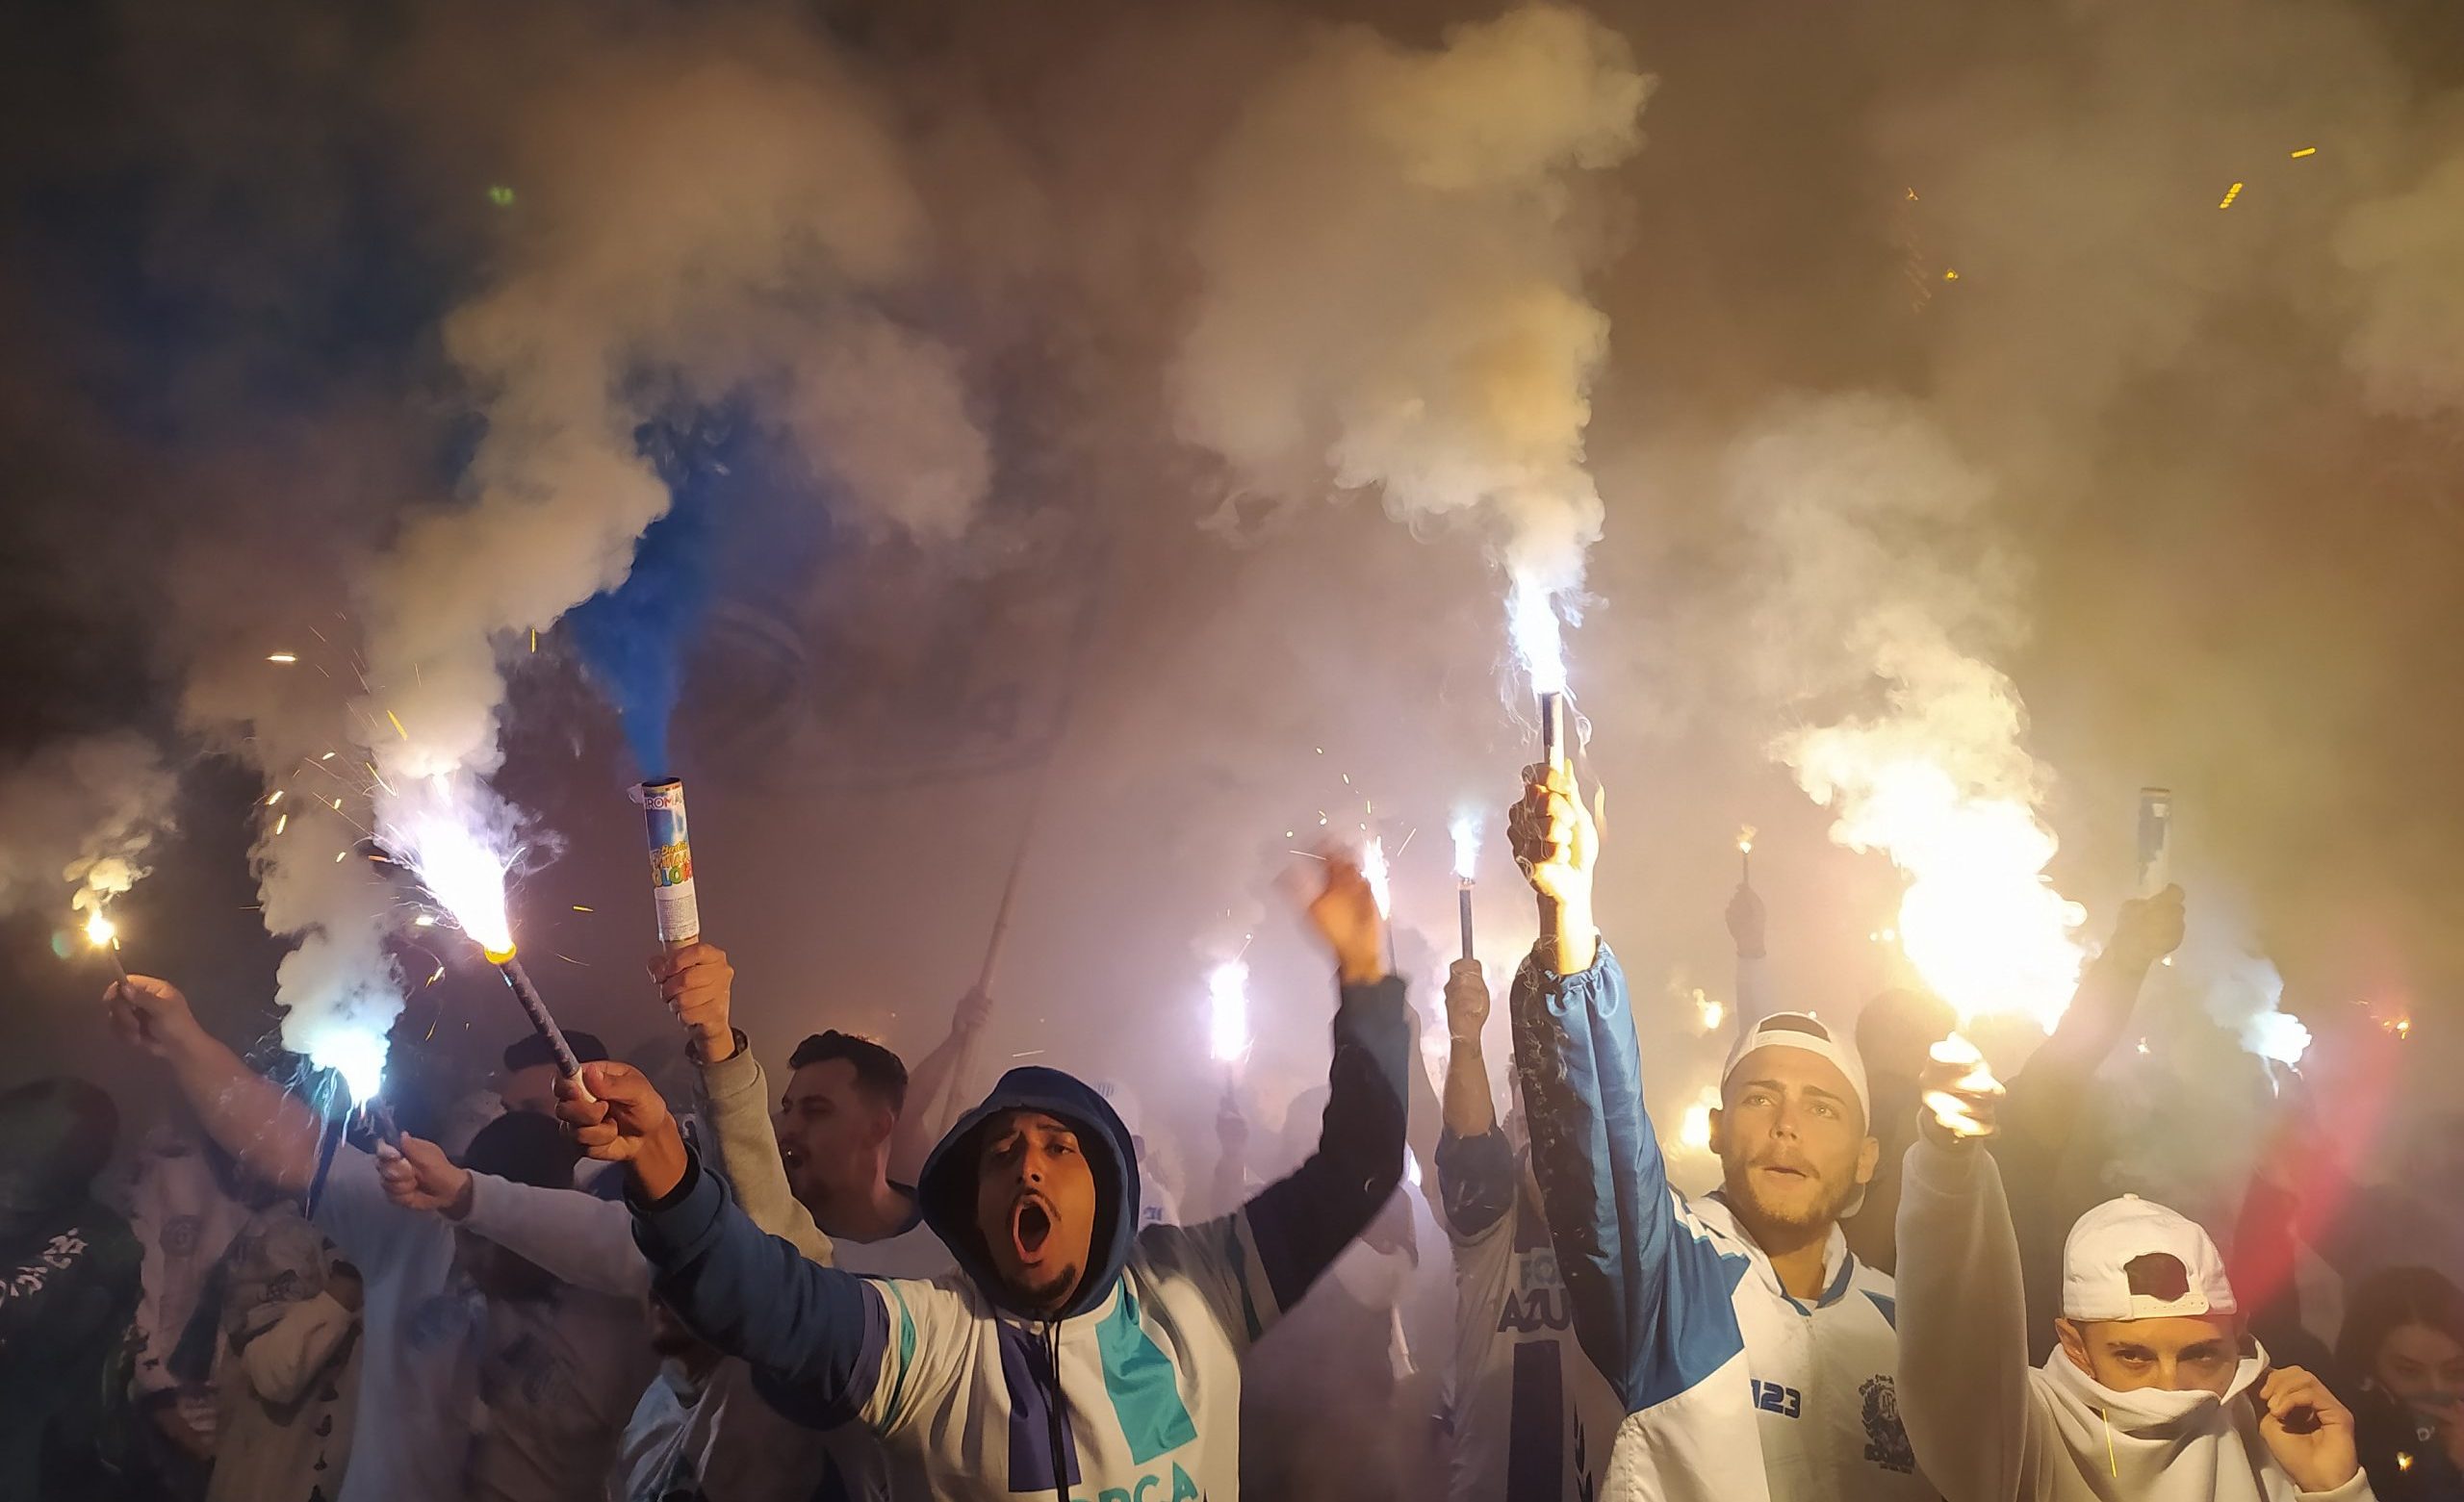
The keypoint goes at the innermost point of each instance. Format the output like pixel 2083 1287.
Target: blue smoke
pixel 635 639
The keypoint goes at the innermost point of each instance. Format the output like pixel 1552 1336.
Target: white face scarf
pixel 2154 1445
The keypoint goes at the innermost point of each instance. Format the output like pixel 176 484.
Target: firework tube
pixel 1552 729
pixel 679 915
pixel 1463 912
pixel 2155 840
pixel 519 983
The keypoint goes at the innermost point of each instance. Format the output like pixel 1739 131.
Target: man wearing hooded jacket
pixel 2155 1391
pixel 1071 1351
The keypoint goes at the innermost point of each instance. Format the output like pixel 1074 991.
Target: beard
pixel 1046 1295
pixel 1821 1206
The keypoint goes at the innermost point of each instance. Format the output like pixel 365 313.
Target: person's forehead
pixel 831 1078
pixel 1792 1068
pixel 2421 1343
pixel 2166 1332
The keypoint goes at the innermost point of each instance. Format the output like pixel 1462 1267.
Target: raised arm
pixel 930 1087
pixel 1476 1171
pixel 257 1122
pixel 1300 1222
pixel 1749 927
pixel 735 1098
pixel 1963 1312
pixel 581 1239
pixel 1649 1289
pixel 2056 1075
pixel 816 1332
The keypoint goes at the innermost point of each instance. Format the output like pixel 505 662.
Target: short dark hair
pixel 878 1070
pixel 529 1050
pixel 2158 1275
pixel 527 1148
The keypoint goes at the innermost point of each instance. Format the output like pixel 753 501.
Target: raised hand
pixel 1467 1001
pixel 697 982
pixel 2308 1432
pixel 1345 913
pixel 418 1176
pixel 627 1122
pixel 151 1014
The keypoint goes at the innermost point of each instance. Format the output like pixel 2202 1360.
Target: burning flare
pixel 448 845
pixel 1950 1112
pixel 1373 871
pixel 1539 640
pixel 1466 831
pixel 1227 992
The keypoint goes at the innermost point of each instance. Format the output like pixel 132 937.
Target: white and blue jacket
pixel 1734 1391
pixel 1133 1394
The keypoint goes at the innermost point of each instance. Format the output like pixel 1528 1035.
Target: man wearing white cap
pixel 2156 1391
pixel 1753 1353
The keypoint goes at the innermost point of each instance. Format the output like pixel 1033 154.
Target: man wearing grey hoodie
pixel 2156 1390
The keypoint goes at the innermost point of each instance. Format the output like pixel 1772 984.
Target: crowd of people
pixel 865 1282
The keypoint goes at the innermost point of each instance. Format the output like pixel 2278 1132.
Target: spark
pixel 2143 1046
pixel 101 931
pixel 1745 840
pixel 273 797
pixel 1373 871
pixel 285 658
pixel 329 756
pixel 1951 274
pixel 1466 830
pixel 338 806
pixel 580 908
pixel 2276 1035
pixel 2230 193
pixel 436 975
pixel 424 920
pixel 397 725
pixel 358 1057
pixel 1227 992
pixel 339 855
pixel 1710 1012
pixel 500 194
pixel 2306 151
pixel 282 824
pixel 462 871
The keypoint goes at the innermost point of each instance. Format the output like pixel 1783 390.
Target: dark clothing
pixel 2401 1452
pixel 66 1293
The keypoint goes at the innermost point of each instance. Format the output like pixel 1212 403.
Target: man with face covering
pixel 2155 1391
pixel 1751 1351
pixel 1072 1352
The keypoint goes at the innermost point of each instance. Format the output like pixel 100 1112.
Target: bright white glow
pixel 447 843
pixel 1978 919
pixel 1711 1013
pixel 1695 1131
pixel 1372 870
pixel 1227 1030
pixel 357 1056
pixel 1949 1110
pixel 1466 831
pixel 1539 641
pixel 2276 1036
pixel 100 930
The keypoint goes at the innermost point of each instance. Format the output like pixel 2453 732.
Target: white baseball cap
pixel 1805 1032
pixel 2095 1264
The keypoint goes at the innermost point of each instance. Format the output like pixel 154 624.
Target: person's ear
pixel 2074 1345
pixel 1868 1158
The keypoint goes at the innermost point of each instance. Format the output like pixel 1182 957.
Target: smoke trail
pixel 1392 257
pixel 1879 584
pixel 81 814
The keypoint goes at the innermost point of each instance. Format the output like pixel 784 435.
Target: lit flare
pixel 1951 1112
pixel 1227 992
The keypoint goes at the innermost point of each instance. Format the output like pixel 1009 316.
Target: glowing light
pixel 1539 641
pixel 2230 193
pixel 1950 276
pixel 1372 870
pixel 2273 1034
pixel 273 797
pixel 356 1054
pixel 282 824
pixel 1412 1169
pixel 2143 1046
pixel 580 908
pixel 462 870
pixel 424 920
pixel 1227 1030
pixel 397 725
pixel 1951 1112
pixel 1745 840
pixel 1466 830
pixel 1710 1012
pixel 100 930
pixel 2306 151
pixel 286 658
pixel 500 196
pixel 1978 920
pixel 1695 1131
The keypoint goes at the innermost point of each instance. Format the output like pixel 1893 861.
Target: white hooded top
pixel 1989 1428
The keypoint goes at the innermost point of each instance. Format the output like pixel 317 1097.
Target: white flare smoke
pixel 1393 259
pixel 1227 1030
pixel 79 818
pixel 1881 600
pixel 689 222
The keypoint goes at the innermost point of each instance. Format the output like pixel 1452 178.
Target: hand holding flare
pixel 1961 1097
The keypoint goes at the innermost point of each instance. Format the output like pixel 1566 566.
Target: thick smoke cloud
pixel 1391 255
pixel 82 818
pixel 2148 491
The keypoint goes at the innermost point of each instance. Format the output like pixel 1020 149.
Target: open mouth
pixel 1030 1227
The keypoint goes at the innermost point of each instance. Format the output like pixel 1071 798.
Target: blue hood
pixel 946 1189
